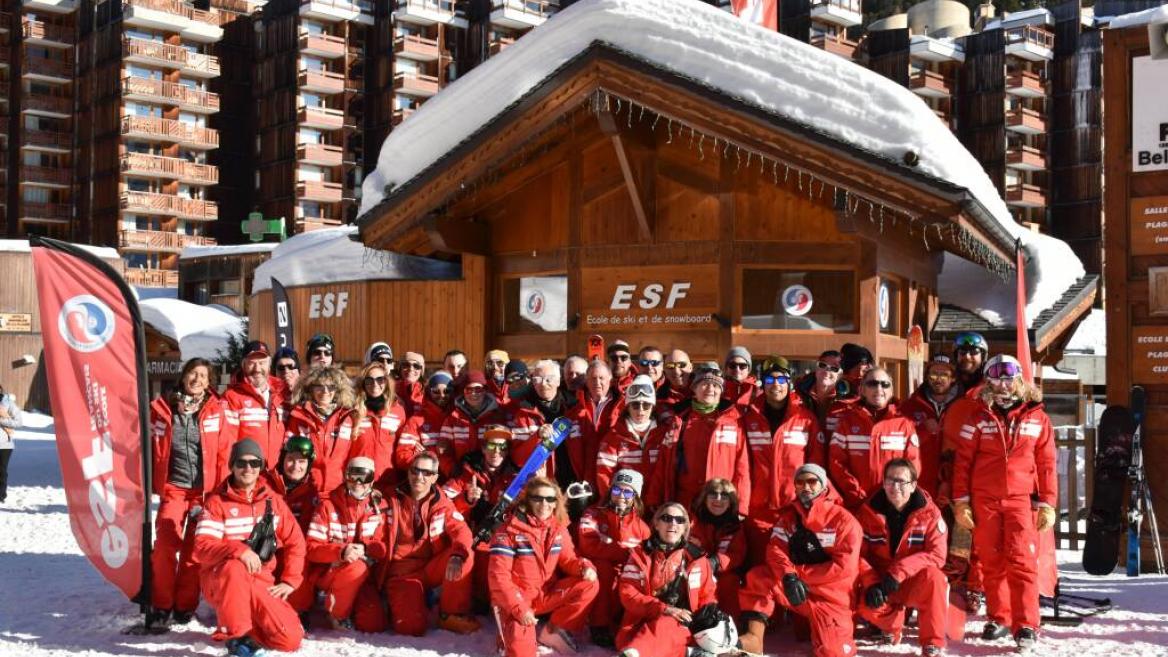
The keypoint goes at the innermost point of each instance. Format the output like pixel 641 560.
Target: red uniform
pixel 606 540
pixel 741 393
pixel 411 396
pixel 775 455
pixel 241 600
pixel 623 448
pixel 461 429
pixel 725 544
pixel 332 441
pixel 1002 458
pixel 376 437
pixel 915 562
pixel 525 420
pixel 927 415
pixel 645 627
pixel 493 484
pixel 862 443
pixel 422 432
pixel 959 414
pixel 339 521
pixel 829 582
pixel 593 427
pixel 176 575
pixel 255 417
pixel 698 448
pixel 526 556
pixel 301 500
pixel 421 537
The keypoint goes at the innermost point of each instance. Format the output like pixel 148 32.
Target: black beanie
pixel 852 354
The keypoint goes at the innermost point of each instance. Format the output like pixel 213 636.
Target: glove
pixel 794 589
pixel 714 564
pixel 1046 518
pixel 874 596
pixel 889 585
pixel 963 514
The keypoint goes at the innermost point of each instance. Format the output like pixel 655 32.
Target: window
pixel 535 304
pixel 779 299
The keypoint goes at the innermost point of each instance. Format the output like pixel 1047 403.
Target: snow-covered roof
pixel 330 255
pixel 1091 335
pixel 760 67
pixel 226 249
pixel 1035 16
pixel 22 246
pixel 199 331
pixel 1145 17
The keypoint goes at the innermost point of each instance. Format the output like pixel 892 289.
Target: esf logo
pixel 85 323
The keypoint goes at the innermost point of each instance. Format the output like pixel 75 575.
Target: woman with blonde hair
pixel 322 410
pixel 718 530
pixel 534 570
pixel 379 417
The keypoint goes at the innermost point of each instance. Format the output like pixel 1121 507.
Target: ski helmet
pixel 972 339
pixel 301 445
pixel 713 630
pixel 1003 367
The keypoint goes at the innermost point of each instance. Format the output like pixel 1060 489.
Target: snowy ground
pixel 53 603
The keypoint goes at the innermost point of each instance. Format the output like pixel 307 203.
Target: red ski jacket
pixel 959 414
pixel 376 436
pixel 1002 457
pixel 227 520
pixel 302 500
pixel 438 526
pixel 605 536
pixel 263 423
pixel 620 449
pixel 421 432
pixel 526 554
pixel 460 433
pixel 411 396
pixel 332 438
pixel 725 456
pixel 726 543
pixel 741 393
pixel 525 420
pixel 924 542
pixel 927 416
pixel 649 569
pixel 216 436
pixel 343 519
pixel 775 456
pixel 862 443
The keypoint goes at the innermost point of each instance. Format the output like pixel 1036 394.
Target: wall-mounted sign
pixel 1149 114
pixel 1149 361
pixel 15 323
pixel 884 305
pixel 328 304
pixel 543 300
pixel 165 368
pixel 649 298
pixel 797 300
pixel 1149 225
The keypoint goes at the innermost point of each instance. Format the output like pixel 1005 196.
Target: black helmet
pixel 301 445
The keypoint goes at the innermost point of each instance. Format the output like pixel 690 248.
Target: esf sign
pixel 327 305
pixel 649 297
pixel 662 297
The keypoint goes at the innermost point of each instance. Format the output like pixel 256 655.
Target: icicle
pixel 775 170
pixel 642 115
pixel 616 112
pixel 629 121
pixel 786 173
pixel 725 150
pixel 670 129
pixel 656 118
pixel 701 151
pixel 800 181
pixel 749 154
pixel 738 160
pixel 691 138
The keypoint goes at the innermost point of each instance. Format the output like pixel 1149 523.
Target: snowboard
pixel 1105 520
pixel 595 348
pixel 561 428
pixel 1136 476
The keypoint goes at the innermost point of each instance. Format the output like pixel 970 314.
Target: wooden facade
pixel 1137 330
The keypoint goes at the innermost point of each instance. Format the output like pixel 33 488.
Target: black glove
pixel 890 585
pixel 875 597
pixel 794 589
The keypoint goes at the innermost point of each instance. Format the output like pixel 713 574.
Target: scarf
pixel 375 404
pixel 702 408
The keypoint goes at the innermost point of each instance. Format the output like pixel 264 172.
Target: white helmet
pixel 717 633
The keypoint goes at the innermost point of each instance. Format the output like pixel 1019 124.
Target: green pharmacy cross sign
pixel 256 227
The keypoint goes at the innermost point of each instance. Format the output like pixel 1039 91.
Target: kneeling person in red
pixel 251 608
pixel 901 559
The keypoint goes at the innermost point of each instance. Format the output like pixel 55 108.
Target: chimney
pixel 985 12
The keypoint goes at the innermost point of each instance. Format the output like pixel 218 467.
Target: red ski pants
pixel 660 637
pixel 243 606
pixel 176 575
pixel 407 594
pixel 606 609
pixel 567 600
pixel 758 534
pixel 1006 544
pixel 928 592
pixel 349 592
pixel 831 622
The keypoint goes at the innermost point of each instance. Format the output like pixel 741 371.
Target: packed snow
pixel 1145 17
pixel 199 331
pixel 54 604
pixel 331 255
pixel 22 246
pixel 189 252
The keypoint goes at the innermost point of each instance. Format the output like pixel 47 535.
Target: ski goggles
pixel 639 392
pixel 827 366
pixel 970 339
pixel 1003 371
pixel 359 475
pixel 495 447
pixel 772 379
pixel 622 492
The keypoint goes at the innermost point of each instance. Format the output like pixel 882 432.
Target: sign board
pixel 165 368
pixel 662 298
pixel 1149 137
pixel 1149 225
pixel 15 323
pixel 1149 362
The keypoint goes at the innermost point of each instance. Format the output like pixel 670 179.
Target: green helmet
pixel 300 445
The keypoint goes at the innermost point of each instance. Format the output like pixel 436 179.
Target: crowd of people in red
pixel 686 494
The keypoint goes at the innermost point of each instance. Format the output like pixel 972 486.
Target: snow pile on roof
pixel 226 250
pixel 22 246
pixel 1035 16
pixel 760 67
pixel 1145 17
pixel 1091 335
pixel 200 331
pixel 330 255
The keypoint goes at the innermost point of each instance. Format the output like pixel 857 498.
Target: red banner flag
pixel 94 360
pixel 759 12
pixel 1022 335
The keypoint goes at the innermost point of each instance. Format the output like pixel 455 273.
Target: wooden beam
pixel 457 235
pixel 608 127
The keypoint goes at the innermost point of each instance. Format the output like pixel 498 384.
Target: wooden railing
pixel 169 130
pixel 333 82
pixel 417 82
pixel 849 5
pixel 333 118
pixel 46 175
pixel 1030 34
pixel 332 155
pixel 44 103
pixel 51 211
pixel 168 53
pixel 170 92
pixel 499 43
pixel 58 68
pixel 151 277
pixel 323 42
pixel 33 29
pixel 177 8
pixel 412 43
pixel 169 204
pixel 325 192
pixel 160 240
pixel 47 138
pixel 836 44
pixel 539 8
pixel 170 167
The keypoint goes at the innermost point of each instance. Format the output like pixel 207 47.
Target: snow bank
pixel 330 255
pixel 225 250
pixel 1145 17
pixel 757 66
pixel 200 331
pixel 22 246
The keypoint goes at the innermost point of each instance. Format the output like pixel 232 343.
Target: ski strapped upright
pixel 1140 494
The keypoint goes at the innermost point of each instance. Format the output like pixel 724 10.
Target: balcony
pixel 325 118
pixel 151 277
pixel 46 213
pixel 401 114
pixel 414 47
pixel 836 44
pixel 1030 42
pixel 521 14
pixel 44 69
pixel 170 93
pixel 844 13
pixel 169 130
pixel 1021 195
pixel 325 46
pixel 1025 158
pixel 170 168
pixel 429 12
pixel 321 82
pixel 159 240
pixel 57 177
pixel 46 140
pixel 39 33
pixel 45 105
pixel 923 46
pixel 320 154
pixel 1025 84
pixel 1025 121
pixel 174 16
pixel 499 43
pixel 5 22
pixel 330 10
pixel 170 56
pixel 169 205
pixel 929 84
pixel 321 192
pixel 415 84
pixel 51 6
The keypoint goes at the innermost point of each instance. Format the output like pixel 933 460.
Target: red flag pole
pixel 1023 332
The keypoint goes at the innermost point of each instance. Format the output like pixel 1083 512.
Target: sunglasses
pixel 940 374
pixel 320 352
pixel 968 351
pixel 827 366
pixel 809 482
pixel 669 518
pixel 244 464
pixel 780 379
pixel 737 366
pixel 385 360
pixel 676 366
pixel 718 495
pixel 620 358
pixel 546 499
pixel 323 387
pixel 514 378
pixel 410 365
pixel 645 362
pixel 641 406
pixel 877 383
pixel 1003 371
pixel 440 392
pixel 379 380
pixel 495 447
pixel 423 472
pixel 359 476
pixel 622 492
pixel 286 368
